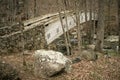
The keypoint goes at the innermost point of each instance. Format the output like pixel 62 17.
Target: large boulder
pixel 48 63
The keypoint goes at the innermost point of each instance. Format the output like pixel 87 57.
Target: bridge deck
pixel 53 24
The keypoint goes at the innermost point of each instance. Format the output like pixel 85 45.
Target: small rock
pixel 76 60
pixel 89 55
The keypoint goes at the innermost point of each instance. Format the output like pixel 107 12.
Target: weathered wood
pixel 34 20
pixel 9 29
pixel 26 28
pixel 41 18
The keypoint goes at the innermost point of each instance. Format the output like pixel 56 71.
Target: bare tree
pixel 108 17
pixel 65 36
pixel 90 22
pixel 77 10
pixel 88 10
pixel 66 21
pixel 26 9
pixel 35 8
pixel 100 28
pixel 23 43
pixel 86 18
pixel 118 1
pixel 94 17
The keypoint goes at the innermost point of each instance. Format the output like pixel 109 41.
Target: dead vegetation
pixel 101 69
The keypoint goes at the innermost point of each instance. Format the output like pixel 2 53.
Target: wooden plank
pixel 31 21
pixel 36 19
pixel 26 28
pixel 15 24
pixel 35 24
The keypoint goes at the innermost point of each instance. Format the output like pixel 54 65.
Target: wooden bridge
pixel 53 27
pixel 50 23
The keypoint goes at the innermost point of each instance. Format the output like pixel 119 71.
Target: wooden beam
pixel 44 17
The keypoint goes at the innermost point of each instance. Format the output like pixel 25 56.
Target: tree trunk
pixel 64 33
pixel 94 21
pixel 107 33
pixel 66 21
pixel 119 22
pixel 86 19
pixel 35 8
pixel 100 28
pixel 23 43
pixel 90 23
pixel 78 26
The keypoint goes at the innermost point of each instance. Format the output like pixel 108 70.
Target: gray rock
pixel 112 38
pixel 48 63
pixel 88 55
pixel 76 60
pixel 92 46
pixel 7 72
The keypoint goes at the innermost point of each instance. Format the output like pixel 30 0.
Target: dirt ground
pixel 101 69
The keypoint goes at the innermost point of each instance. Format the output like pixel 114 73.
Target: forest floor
pixel 101 69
